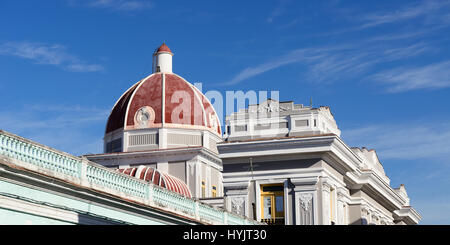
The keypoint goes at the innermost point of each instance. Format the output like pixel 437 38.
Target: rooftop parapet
pixel 272 118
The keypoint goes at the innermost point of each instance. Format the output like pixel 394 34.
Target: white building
pixel 286 164
pixel 278 162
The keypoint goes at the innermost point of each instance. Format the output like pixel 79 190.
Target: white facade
pixel 310 174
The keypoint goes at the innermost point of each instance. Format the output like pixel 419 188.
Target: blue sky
pixel 382 66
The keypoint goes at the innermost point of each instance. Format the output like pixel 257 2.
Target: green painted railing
pixel 208 212
pixel 112 180
pixel 169 198
pixel 235 220
pixel 40 156
pixel 57 164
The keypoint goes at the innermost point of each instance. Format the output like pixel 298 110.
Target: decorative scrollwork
pixel 305 200
pixel 237 205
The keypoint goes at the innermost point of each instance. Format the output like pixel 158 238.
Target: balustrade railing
pixel 169 198
pixel 40 156
pixel 43 159
pixel 274 221
pixel 233 219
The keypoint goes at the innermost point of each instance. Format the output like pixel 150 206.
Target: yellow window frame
pixel 273 195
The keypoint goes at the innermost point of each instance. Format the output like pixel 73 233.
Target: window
pixel 262 126
pixel 240 128
pixel 203 188
pixel 301 123
pixel 272 204
pixel 214 191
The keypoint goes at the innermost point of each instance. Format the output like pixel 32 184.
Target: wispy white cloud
pixel 73 129
pixel 323 64
pixel 121 5
pixel 433 76
pixel 56 55
pixel 403 141
pixel 404 35
pixel 36 117
pixel 427 16
pixel 289 58
pixel 404 51
pixel 424 8
pixel 330 64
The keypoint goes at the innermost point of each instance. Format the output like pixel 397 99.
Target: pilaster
pixel 326 190
pixel 306 208
pixel 237 198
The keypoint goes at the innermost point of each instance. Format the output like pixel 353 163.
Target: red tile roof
pixel 163 48
pixel 159 178
pixel 197 111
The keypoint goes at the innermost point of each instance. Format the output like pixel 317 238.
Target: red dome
pixel 158 178
pixel 163 48
pixel 176 104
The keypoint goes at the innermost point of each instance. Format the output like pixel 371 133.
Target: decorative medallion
pixel 144 117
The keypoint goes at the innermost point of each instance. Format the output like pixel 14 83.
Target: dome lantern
pixel 162 59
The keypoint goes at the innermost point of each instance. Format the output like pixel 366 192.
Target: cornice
pixel 204 152
pixel 331 144
pixel 408 213
pixel 305 181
